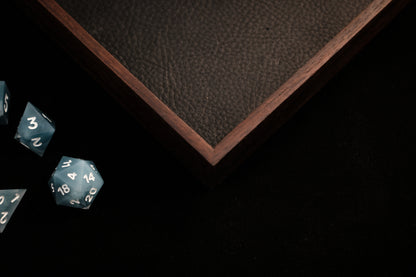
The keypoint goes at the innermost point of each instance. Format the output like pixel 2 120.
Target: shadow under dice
pixel 9 199
pixel 4 103
pixel 75 183
pixel 35 130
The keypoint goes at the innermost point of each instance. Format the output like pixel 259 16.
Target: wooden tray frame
pixel 209 163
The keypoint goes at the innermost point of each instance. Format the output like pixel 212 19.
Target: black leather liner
pixel 213 62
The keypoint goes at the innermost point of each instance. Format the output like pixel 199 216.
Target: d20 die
pixel 35 130
pixel 75 183
pixel 4 103
pixel 9 200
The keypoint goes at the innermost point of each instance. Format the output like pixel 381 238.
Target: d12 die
pixel 75 183
pixel 35 130
pixel 9 199
pixel 4 103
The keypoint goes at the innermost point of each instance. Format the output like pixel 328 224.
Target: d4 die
pixel 75 183
pixel 9 200
pixel 35 130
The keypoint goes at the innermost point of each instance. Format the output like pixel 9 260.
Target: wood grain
pixel 208 163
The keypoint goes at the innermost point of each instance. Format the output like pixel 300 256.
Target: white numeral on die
pixel 6 104
pixel 67 163
pixel 64 189
pixel 89 197
pixel 73 202
pixel 36 142
pixel 3 218
pixel 89 177
pixel 16 197
pixel 33 124
pixel 72 175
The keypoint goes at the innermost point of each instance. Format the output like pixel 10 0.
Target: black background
pixel 331 193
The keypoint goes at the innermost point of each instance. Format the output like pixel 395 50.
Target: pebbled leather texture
pixel 213 61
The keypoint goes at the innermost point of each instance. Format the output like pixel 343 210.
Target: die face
pixel 35 130
pixel 9 200
pixel 4 103
pixel 75 183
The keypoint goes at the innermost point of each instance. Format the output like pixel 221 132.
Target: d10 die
pixel 4 103
pixel 35 130
pixel 9 199
pixel 75 183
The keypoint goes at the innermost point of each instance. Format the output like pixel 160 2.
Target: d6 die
pixel 4 103
pixel 75 183
pixel 35 130
pixel 9 199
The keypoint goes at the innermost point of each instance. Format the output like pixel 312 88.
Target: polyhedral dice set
pixel 74 183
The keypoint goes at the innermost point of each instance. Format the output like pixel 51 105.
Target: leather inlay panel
pixel 213 62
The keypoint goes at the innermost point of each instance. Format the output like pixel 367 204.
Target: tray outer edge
pixel 211 165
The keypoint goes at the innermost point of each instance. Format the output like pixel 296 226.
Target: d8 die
pixel 4 103
pixel 75 183
pixel 35 130
pixel 9 199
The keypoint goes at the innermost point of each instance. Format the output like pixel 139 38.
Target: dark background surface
pixel 331 193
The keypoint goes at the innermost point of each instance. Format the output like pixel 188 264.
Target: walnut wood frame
pixel 211 163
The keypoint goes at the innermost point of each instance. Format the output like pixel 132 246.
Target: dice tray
pixel 208 82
